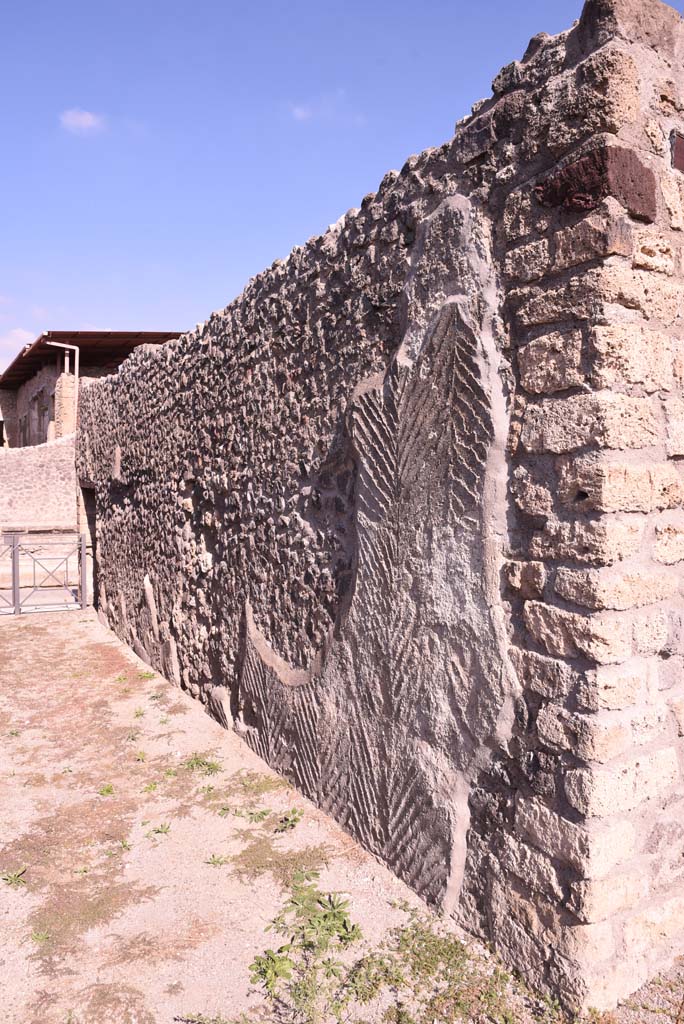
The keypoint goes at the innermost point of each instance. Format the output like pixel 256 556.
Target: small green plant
pixel 202 763
pixel 319 929
pixel 132 735
pixel 427 975
pixel 150 787
pixel 147 675
pixel 13 732
pixel 106 790
pixel 271 967
pixel 139 713
pixel 217 861
pixel 156 696
pixel 141 756
pixel 160 830
pixel 40 937
pixel 164 720
pixel 289 820
pixel 125 845
pixel 81 871
pixel 14 878
pixel 207 790
pixel 171 773
pixel 256 817
pixel 254 784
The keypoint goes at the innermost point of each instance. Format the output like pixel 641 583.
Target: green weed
pixel 160 830
pixel 202 763
pixel 289 820
pixel 14 878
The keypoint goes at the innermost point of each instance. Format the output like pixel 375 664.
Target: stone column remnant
pixel 408 512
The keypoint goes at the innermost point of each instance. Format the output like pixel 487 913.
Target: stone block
pixel 599 483
pixel 546 676
pixel 526 578
pixel 552 362
pixel 523 217
pixel 595 542
pixel 668 547
pixel 653 251
pixel 674 414
pixel 604 638
pixel 650 929
pixel 592 851
pixel 607 171
pixel 650 630
pixel 618 788
pixel 605 420
pixel 626 354
pixel 614 687
pixel 595 293
pixel 531 491
pixel 671 187
pixel 600 95
pixel 615 589
pixel 653 24
pixel 606 232
pixel 675 702
pixel 528 262
pixel 530 864
pixel 594 900
pixel 603 735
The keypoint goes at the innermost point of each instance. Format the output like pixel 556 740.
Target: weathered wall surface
pixel 38 487
pixel 407 512
pixel 8 412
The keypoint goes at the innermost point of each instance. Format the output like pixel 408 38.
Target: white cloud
pixel 11 344
pixel 304 113
pixel 330 106
pixel 82 122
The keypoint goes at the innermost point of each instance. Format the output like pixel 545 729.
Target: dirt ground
pixel 144 850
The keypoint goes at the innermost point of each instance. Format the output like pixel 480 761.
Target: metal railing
pixel 42 575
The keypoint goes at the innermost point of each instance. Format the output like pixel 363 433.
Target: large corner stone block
pixel 609 171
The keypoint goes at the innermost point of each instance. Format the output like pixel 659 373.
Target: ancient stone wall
pixel 8 414
pixel 38 488
pixel 408 512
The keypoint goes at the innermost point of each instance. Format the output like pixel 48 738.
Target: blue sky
pixel 158 154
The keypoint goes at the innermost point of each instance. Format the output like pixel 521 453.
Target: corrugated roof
pixel 98 348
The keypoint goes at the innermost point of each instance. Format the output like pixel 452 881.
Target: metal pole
pixel 16 588
pixel 77 358
pixel 84 572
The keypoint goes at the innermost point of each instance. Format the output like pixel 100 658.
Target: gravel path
pixel 139 849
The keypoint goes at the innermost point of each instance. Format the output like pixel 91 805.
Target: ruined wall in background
pixel 408 512
pixel 8 412
pixel 38 487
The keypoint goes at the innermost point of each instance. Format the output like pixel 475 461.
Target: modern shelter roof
pixel 97 348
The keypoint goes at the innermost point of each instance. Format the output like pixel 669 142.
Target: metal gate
pixel 42 575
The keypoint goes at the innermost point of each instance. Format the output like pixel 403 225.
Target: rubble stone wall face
pixel 38 488
pixel 408 512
